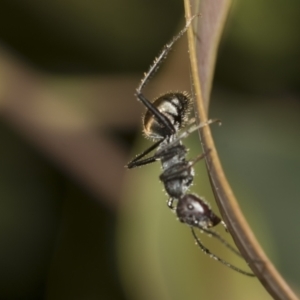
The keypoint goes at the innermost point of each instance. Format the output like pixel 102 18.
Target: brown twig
pixel 209 30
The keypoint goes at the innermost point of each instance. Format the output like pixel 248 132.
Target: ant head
pixel 175 106
pixel 194 211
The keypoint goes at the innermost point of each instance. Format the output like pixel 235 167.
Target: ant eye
pixel 190 207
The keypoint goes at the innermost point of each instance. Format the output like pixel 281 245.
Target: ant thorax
pixel 177 173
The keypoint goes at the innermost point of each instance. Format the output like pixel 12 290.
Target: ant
pixel 163 120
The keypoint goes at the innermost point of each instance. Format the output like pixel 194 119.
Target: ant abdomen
pixel 175 106
pixel 194 211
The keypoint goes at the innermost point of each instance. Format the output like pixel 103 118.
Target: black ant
pixel 163 120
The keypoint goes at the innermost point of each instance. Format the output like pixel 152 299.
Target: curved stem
pixel 215 12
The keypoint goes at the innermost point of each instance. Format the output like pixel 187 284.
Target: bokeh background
pixel 74 223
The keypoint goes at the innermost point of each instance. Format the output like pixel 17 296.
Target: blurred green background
pixel 74 223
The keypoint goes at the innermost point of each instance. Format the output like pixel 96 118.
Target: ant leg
pixel 224 225
pixel 162 56
pixel 199 157
pixel 206 251
pixel 162 119
pixel 224 242
pixel 187 132
pixel 170 203
pixel 153 69
pixel 179 150
pixel 178 173
pixel 136 162
pixel 142 162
